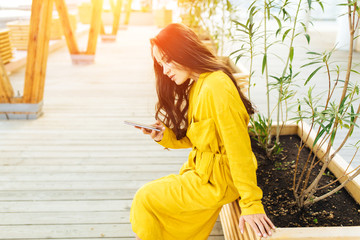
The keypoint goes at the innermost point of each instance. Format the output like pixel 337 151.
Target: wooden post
pixel 117 13
pixel 6 90
pixel 79 57
pixel 40 24
pixel 102 28
pixel 65 22
pixel 94 26
pixel 128 11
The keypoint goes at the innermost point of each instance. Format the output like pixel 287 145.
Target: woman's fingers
pixel 270 222
pixel 144 130
pixel 263 228
pixel 267 227
pixel 153 134
pixel 255 227
pixel 242 225
pixel 156 135
pixel 260 223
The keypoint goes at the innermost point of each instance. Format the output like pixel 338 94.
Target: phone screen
pixel 141 125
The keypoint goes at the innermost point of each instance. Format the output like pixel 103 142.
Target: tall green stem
pixel 251 64
pixel 267 71
pixel 284 71
pixel 328 158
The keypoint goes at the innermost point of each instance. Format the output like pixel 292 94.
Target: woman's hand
pixel 260 223
pixel 157 136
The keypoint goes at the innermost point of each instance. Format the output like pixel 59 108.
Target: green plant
pixel 254 33
pixel 260 132
pixel 214 16
pixel 327 115
pixel 190 12
pixel 218 21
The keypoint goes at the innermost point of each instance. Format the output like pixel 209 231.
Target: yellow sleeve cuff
pixel 254 208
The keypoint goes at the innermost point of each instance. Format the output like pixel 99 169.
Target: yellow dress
pixel 220 168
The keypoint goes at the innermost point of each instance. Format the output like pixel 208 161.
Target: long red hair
pixel 181 45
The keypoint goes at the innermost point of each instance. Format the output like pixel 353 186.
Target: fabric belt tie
pixel 205 163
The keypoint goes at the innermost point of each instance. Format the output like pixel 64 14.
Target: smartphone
pixel 146 126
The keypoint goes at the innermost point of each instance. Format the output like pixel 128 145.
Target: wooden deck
pixel 72 173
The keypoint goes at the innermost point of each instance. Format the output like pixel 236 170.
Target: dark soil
pixel 275 178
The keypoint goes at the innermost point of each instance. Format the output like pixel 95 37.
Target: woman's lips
pixel 172 77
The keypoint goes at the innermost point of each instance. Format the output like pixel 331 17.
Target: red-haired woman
pixel 200 107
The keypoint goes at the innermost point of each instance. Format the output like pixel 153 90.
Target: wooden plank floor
pixel 72 173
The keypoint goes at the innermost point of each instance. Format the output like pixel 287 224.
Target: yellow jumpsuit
pixel 220 168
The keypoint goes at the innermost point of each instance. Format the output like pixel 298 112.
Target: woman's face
pixel 174 71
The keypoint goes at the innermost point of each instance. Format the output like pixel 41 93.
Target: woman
pixel 201 108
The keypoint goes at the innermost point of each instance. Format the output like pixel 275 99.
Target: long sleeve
pixel 231 120
pixel 169 140
pixel 234 133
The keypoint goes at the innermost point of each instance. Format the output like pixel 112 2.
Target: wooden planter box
pixel 230 213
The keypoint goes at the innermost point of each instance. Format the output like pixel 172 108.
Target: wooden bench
pixel 229 217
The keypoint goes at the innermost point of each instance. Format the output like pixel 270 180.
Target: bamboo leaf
pixel 238 58
pixel 307 37
pixel 321 5
pixel 236 51
pixel 318 136
pixel 264 63
pixel 285 33
pixel 354 71
pixel 291 53
pixel 314 53
pixel 312 74
pixel 277 20
pixel 311 63
pixel 342 104
pixel 304 26
pixel 241 24
pixel 277 32
pixel 309 3
pixel 332 138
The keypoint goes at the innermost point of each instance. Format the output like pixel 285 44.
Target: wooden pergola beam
pixel 116 11
pixel 128 11
pixel 65 22
pixel 40 24
pixel 79 57
pixel 94 26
